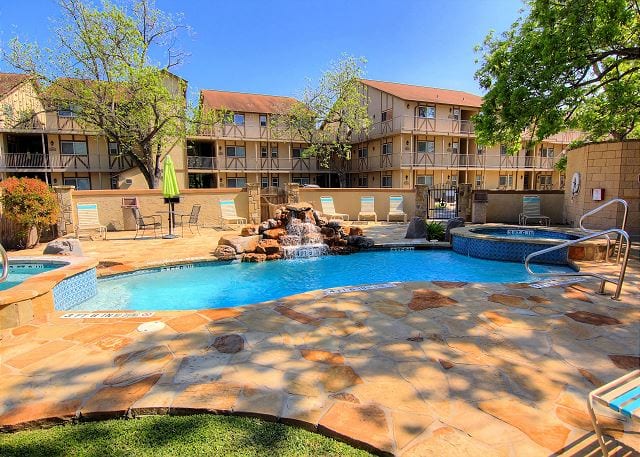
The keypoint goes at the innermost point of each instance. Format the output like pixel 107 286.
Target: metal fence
pixel 443 202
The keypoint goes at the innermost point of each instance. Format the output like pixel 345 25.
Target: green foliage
pixel 103 67
pixel 564 64
pixel 435 230
pixel 29 203
pixel 159 436
pixel 561 164
pixel 330 114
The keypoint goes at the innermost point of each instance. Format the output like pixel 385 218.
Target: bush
pixel 28 203
pixel 435 231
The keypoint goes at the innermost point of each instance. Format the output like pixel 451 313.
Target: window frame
pixel 235 151
pixel 275 181
pixel 387 149
pixel 297 155
pixel 363 181
pixel 427 143
pixel 264 182
pixel 272 154
pixel 544 152
pixel 426 110
pixel 386 178
pixel 418 178
pixel 236 179
pixel 508 178
pixel 67 181
pixel 73 147
pixel 237 116
pixel 260 119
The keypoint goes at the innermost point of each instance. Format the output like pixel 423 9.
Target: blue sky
pixel 274 47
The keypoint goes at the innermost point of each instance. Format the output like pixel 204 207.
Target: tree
pixel 565 64
pixel 103 69
pixel 329 115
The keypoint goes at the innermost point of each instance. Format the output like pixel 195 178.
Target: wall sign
pixel 597 195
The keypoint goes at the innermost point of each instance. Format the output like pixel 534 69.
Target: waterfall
pixel 304 240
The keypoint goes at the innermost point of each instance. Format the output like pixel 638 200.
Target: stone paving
pixel 432 368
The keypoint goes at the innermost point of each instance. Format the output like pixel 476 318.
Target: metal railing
pixel 603 279
pixel 5 264
pixel 622 227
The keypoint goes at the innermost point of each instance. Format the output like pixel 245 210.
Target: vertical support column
pixel 65 219
pixel 293 192
pixel 422 201
pixel 253 191
pixel 464 201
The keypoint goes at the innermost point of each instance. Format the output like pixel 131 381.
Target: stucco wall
pixel 505 206
pixel 614 167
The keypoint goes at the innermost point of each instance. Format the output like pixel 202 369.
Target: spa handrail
pixel 623 268
pixel 622 227
pixel 5 264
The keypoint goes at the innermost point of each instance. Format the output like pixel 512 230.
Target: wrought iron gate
pixel 443 202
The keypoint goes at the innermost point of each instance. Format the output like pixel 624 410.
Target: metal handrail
pixel 622 227
pixel 5 264
pixel 603 279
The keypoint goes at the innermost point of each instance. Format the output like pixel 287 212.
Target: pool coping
pixel 467 232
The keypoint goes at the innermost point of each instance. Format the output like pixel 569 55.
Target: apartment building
pixel 245 148
pixel 424 135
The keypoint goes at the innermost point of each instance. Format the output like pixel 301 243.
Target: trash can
pixel 479 207
pixel 128 219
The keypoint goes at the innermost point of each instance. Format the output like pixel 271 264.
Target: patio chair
pixel 396 207
pixel 228 213
pixel 192 219
pixel 621 395
pixel 329 210
pixel 367 208
pixel 88 220
pixel 143 222
pixel 531 210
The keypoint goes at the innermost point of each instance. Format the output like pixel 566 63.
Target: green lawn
pixel 173 436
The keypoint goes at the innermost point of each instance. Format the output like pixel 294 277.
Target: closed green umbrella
pixel 169 188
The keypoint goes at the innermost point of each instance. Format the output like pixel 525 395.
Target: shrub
pixel 435 231
pixel 28 203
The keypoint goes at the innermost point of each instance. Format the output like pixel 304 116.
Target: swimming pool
pixel 20 272
pixel 220 285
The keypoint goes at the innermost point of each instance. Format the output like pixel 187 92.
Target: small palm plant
pixel 435 231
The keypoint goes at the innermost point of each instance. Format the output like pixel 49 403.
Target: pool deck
pixel 422 368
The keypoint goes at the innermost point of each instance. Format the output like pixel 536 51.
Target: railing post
pixel 422 201
pixel 253 194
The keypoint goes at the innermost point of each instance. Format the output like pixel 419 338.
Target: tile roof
pixel 426 94
pixel 245 103
pixel 9 81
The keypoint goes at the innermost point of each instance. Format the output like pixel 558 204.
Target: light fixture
pixel 408 106
pixel 407 143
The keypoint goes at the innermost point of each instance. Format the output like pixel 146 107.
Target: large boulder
pixel 360 242
pixel 66 246
pixel 416 229
pixel 274 233
pixel 451 224
pixel 240 243
pixel 253 257
pixel 268 247
pixel 354 231
pixel 223 252
pixel 249 230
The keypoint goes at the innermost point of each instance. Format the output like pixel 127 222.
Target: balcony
pixel 60 162
pixel 418 125
pixel 247 131
pixel 246 163
pixel 201 162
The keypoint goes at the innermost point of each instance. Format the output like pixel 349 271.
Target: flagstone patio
pixel 433 368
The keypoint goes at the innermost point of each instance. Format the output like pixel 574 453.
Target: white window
pixel 363 181
pixel 546 152
pixel 427 146
pixel 78 148
pixel 79 183
pixel 386 181
pixel 236 151
pixel 264 181
pixel 236 182
pixel 503 149
pixel 296 153
pixel 302 180
pixel 238 119
pixel 455 113
pixel 505 181
pixel 113 148
pixel 454 148
pixel 69 111
pixel 275 181
pixel 428 112
pixel 274 152
pixel 454 181
pixel 263 120
pixel 264 152
pixel 425 179
pixel 545 180
pixel 363 153
pixel 479 181
pixel 387 149
pixel 387 115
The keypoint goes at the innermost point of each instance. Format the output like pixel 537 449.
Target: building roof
pixel 9 81
pixel 426 94
pixel 245 103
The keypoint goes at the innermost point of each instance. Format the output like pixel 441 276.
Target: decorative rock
pixel 67 246
pixel 263 227
pixel 587 317
pixel 417 229
pixel 360 242
pixel 240 243
pixel 625 362
pixel 250 230
pixel 328 232
pixel 229 344
pixel 274 257
pixel 274 233
pixel 342 250
pixel 253 257
pixel 429 299
pixel 451 224
pixel 268 247
pixel 223 252
pixel 355 231
pixel 272 223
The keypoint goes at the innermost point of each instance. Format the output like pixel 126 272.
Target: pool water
pixel 20 272
pixel 220 285
pixel 520 233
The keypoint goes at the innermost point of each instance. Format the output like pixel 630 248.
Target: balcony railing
pixel 418 125
pixel 247 131
pixel 248 163
pixel 61 162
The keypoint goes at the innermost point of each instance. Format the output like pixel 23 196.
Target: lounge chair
pixel 144 222
pixel 88 220
pixel 229 214
pixel 367 208
pixel 329 210
pixel 621 395
pixel 531 210
pixel 192 219
pixel 396 207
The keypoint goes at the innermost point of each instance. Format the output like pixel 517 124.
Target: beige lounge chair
pixel 531 210
pixel 396 207
pixel 228 213
pixel 329 210
pixel 367 208
pixel 88 220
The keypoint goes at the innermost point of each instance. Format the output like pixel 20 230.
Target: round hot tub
pixel 514 243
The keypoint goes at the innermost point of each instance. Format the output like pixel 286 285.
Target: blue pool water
pixel 523 232
pixel 21 271
pixel 219 285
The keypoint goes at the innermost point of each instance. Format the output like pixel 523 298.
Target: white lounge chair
pixel 396 207
pixel 531 210
pixel 367 208
pixel 228 213
pixel 329 211
pixel 621 395
pixel 88 220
